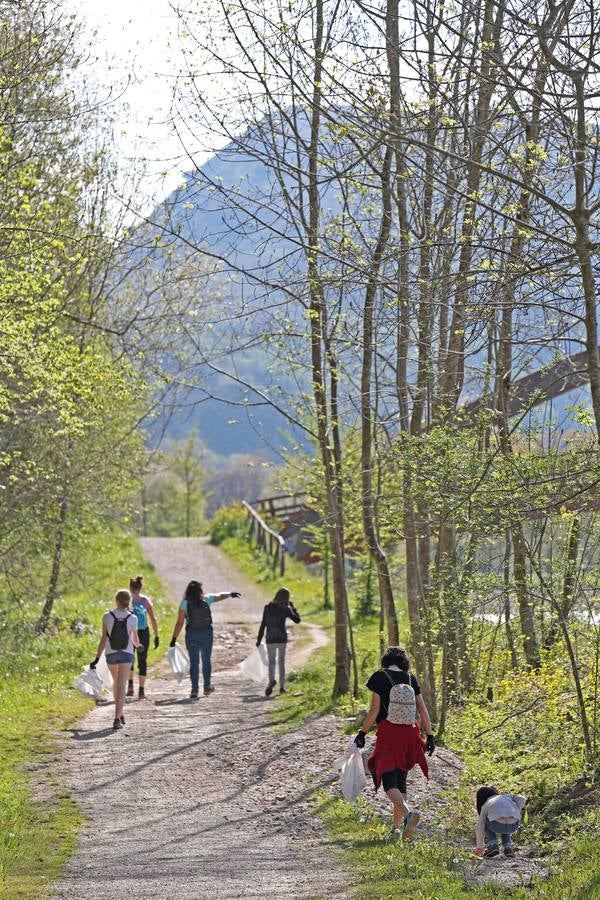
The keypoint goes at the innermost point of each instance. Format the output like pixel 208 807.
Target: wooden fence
pixel 267 539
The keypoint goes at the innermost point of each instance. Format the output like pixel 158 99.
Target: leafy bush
pixel 229 521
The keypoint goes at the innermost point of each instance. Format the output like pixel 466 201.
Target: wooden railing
pixel 279 507
pixel 267 539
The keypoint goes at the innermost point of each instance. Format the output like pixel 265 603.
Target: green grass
pixel 429 870
pixel 38 820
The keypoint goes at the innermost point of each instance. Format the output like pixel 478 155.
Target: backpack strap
pixel 394 683
pixel 389 677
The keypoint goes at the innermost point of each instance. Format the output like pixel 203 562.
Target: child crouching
pixel 499 814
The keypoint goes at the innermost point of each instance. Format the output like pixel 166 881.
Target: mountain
pixel 260 267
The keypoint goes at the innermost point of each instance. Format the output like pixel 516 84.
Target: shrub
pixel 228 521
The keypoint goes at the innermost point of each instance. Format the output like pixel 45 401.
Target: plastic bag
pixel 104 672
pixel 90 684
pixel 179 662
pixel 352 776
pixel 255 665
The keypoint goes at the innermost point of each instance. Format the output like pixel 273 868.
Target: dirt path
pixel 199 799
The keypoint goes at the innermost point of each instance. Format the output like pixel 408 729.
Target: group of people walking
pixel 397 706
pixel 126 633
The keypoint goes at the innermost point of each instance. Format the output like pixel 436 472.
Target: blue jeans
pixel 119 656
pixel 504 829
pixel 199 641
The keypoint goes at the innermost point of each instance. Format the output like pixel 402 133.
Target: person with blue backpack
pixel 144 610
pixel 119 638
pixel 195 613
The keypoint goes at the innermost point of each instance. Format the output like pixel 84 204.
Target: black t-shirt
pixel 380 684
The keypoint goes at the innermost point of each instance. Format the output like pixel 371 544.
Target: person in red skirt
pixel 396 702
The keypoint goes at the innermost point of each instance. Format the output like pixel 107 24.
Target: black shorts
pixel 394 779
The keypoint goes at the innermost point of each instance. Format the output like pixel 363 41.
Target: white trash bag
pixel 255 666
pixel 89 683
pixel 179 662
pixel 104 672
pixel 352 775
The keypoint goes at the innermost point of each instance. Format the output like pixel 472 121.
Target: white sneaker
pixel 412 820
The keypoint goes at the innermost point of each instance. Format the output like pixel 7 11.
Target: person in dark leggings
pixel 195 611
pixel 143 609
pixel 398 747
pixel 273 622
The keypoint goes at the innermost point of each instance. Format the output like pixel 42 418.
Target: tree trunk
pixel 334 523
pixel 530 642
pixel 59 541
pixel 583 248
pixel 510 640
pixel 368 340
pixel 451 381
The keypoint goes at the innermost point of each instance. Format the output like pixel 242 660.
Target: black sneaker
pixel 509 853
pixel 117 724
pixel 209 689
pixel 283 690
pixel 194 694
pixel 130 688
pixel 122 720
pixel 141 694
pixel 491 852
pixel 269 689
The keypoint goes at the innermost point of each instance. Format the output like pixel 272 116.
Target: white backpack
pixel 402 705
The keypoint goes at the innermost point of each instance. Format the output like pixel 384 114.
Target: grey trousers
pixel 277 651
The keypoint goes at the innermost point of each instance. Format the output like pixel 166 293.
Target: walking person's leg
pixel 122 675
pixel 394 784
pixel 271 657
pixel 130 684
pixel 113 668
pixel 400 806
pixel 142 655
pixel 281 648
pixel 193 649
pixel 206 645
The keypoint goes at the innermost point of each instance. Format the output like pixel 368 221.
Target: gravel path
pixel 199 799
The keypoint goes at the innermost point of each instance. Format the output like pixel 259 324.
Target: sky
pixel 133 58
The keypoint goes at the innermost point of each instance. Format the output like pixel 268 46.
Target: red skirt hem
pixel 397 747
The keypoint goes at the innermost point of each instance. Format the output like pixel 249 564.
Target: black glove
pixel 429 744
pixel 156 642
pixel 235 594
pixel 173 642
pixel 94 662
pixel 359 740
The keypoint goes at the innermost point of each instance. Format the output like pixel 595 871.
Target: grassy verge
pixel 38 820
pixel 430 870
pixel 515 756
